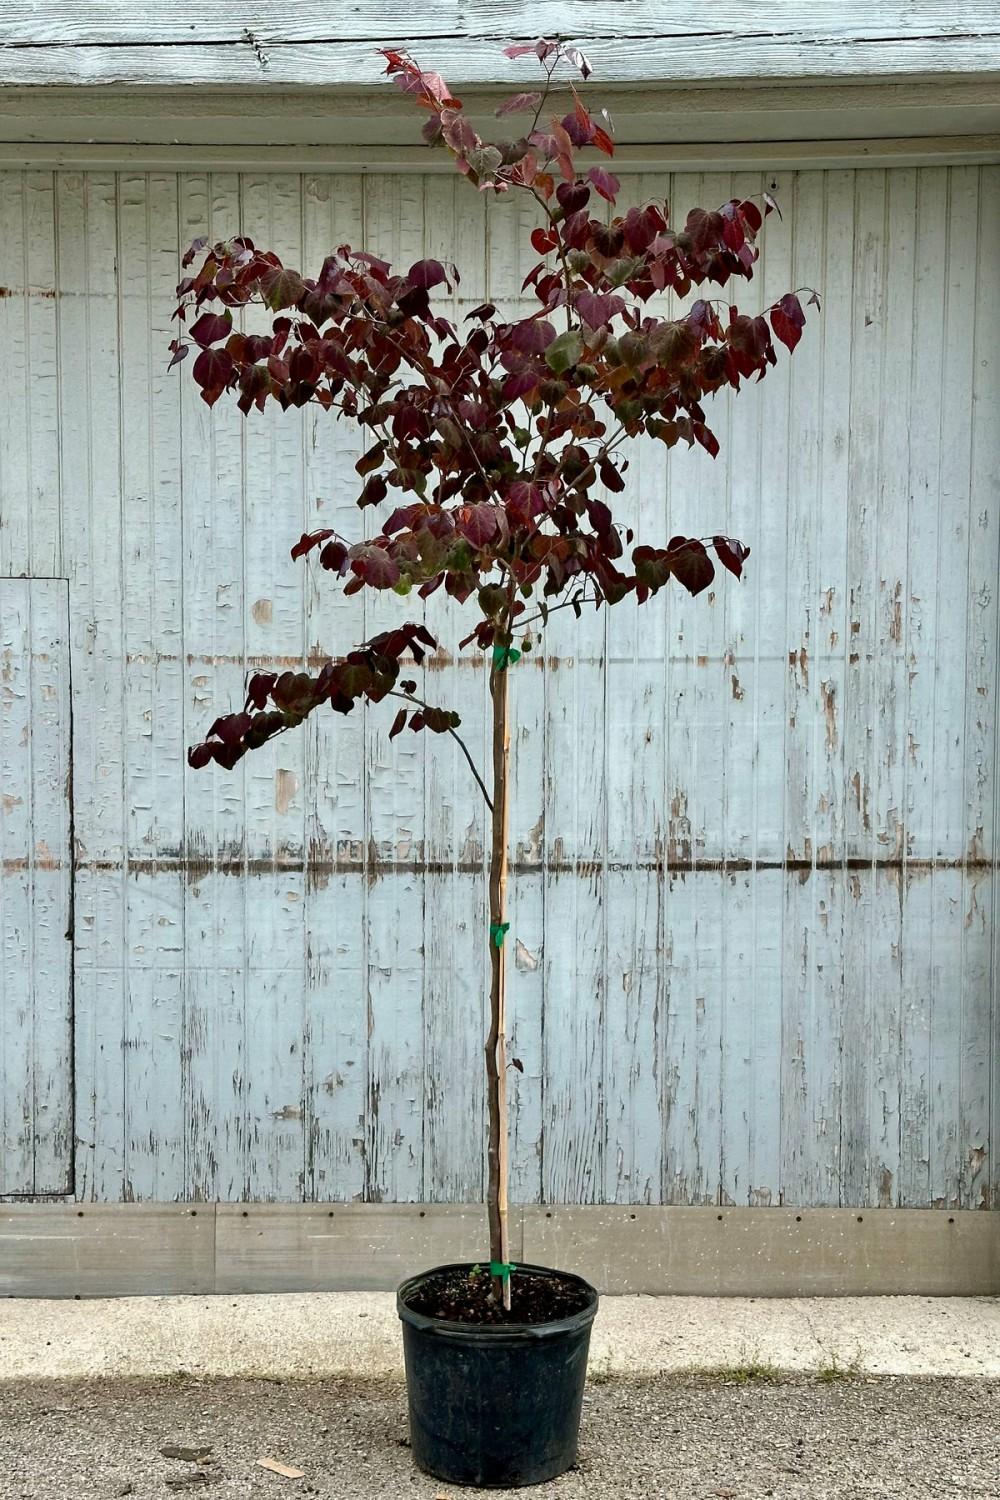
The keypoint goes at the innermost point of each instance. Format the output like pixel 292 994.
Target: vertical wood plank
pixel 921 624
pixel 635 777
pixel 949 1161
pixel 35 889
pixel 15 544
pixel 455 925
pixel 983 724
pixel 509 256
pixel 90 426
pixel 978 729
pixel 274 514
pixel 333 795
pixel 153 751
pixel 39 395
pixel 779 671
pixel 805 1084
pixel 395 893
pixel 215 925
pixel 741 754
pixel 864 476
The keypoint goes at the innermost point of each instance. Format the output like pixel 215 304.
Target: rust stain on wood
pixel 320 869
pixel 48 292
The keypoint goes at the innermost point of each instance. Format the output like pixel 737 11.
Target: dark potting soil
pixel 460 1297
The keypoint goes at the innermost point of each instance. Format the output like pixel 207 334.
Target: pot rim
pixel 495 1333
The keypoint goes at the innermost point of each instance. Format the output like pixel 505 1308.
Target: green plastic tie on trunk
pixel 498 931
pixel 502 1268
pixel 505 656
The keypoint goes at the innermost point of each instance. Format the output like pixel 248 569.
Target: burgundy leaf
pixel 281 287
pixel 603 141
pixel 572 196
pixel 652 569
pixel 374 566
pixel 374 492
pixel 334 558
pixel 579 60
pixel 195 248
pixel 402 516
pixel 706 437
pixel 259 688
pixel 426 273
pixel 600 516
pixel 371 460
pixel 788 320
pixel 211 327
pixel 606 183
pixel 212 371
pixel 398 724
pixel 690 563
pixel 544 240
pixel 524 502
pixel 308 540
pixel 533 336
pixel 477 523
pixel 731 553
pixel 518 103
pixel 592 308
pixel 610 477
pixel 784 330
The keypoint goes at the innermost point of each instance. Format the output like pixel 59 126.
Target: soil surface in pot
pixel 459 1297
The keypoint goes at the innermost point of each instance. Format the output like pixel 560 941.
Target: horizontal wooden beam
pixel 652 114
pixel 303 42
pixel 703 156
pixel 91 1250
pixel 190 22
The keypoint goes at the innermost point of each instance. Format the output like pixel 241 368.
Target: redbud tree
pixel 494 450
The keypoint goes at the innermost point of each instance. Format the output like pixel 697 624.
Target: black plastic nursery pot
pixel 495 1406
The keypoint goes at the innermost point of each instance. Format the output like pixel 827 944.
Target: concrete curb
pixel 357 1333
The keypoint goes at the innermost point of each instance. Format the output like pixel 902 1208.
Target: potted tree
pixel 505 444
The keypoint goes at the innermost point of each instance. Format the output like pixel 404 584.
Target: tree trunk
pixel 496 1041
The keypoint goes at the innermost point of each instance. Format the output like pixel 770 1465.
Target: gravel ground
pixel 668 1438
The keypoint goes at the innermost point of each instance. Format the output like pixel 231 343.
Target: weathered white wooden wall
pixel 247 42
pixel 753 840
pixel 35 888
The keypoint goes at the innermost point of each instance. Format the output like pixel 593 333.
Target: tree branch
pixel 551 608
pixel 411 698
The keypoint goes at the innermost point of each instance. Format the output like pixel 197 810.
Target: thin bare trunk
pixel 496 1042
